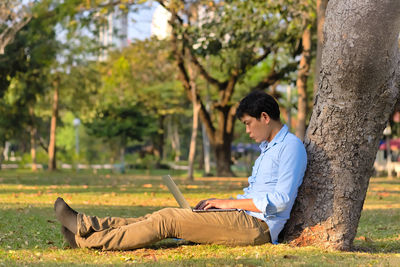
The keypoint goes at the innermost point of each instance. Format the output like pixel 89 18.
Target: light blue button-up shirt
pixel 277 174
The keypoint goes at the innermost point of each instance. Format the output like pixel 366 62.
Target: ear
pixel 265 117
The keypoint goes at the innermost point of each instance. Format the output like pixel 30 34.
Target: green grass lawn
pixel 30 234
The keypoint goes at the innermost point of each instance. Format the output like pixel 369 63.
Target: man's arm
pixel 293 161
pixel 243 204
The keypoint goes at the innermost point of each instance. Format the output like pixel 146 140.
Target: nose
pixel 247 129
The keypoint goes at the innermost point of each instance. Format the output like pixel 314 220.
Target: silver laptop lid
pixel 176 192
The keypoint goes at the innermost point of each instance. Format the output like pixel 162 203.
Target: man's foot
pixel 66 215
pixel 69 236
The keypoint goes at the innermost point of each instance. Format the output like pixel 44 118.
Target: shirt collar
pixel 277 138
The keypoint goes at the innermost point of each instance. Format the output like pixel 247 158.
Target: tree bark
pixel 321 10
pixel 53 127
pixel 357 92
pixel 301 84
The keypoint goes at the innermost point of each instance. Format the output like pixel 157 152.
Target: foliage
pixel 24 69
pixel 235 47
pixel 239 32
pixel 126 122
pixel 137 91
pixel 32 235
pixel 14 14
pixel 143 72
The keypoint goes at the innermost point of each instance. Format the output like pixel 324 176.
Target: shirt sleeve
pixel 292 165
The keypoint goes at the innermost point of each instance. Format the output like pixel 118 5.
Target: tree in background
pixel 125 123
pixel 155 84
pixel 234 37
pixel 131 77
pixel 38 80
pixel 31 55
pixel 358 88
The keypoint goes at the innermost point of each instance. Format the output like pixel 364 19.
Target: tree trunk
pixel 223 141
pixel 301 84
pixel 1 153
pixel 53 126
pixel 195 125
pixel 321 10
pixel 174 137
pixel 356 95
pixel 223 160
pixel 33 132
pixel 206 152
pixel 122 153
pixel 160 140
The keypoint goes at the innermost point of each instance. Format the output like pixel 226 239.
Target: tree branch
pixel 274 76
pixel 185 79
pixel 193 58
pixel 203 71
pixel 8 35
pixel 228 89
pixel 42 143
pixel 262 57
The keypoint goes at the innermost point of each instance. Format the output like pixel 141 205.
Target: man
pixel 262 211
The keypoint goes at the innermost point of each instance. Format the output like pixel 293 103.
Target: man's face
pixel 258 129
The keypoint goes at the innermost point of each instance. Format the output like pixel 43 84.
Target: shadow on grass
pixel 69 182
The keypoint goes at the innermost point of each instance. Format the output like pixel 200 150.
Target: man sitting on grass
pixel 263 208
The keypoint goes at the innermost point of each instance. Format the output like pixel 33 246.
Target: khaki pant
pixel 229 228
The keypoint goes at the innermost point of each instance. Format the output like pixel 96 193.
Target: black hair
pixel 256 103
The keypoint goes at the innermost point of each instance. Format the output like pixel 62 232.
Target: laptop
pixel 181 199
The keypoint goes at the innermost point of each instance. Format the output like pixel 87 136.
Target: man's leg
pixel 230 228
pixel 68 218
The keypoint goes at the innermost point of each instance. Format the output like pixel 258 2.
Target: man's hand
pixel 202 203
pixel 214 203
pixel 243 204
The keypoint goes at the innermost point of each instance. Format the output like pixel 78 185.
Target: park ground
pixel 30 234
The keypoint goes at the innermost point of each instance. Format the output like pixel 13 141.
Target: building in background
pixel 160 27
pixel 114 33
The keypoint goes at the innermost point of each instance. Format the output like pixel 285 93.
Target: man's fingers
pixel 205 204
pixel 200 205
pixel 208 205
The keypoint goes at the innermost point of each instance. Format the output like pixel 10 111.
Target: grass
pixel 29 232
